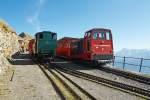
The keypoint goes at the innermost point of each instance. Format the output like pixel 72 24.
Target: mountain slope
pixel 145 53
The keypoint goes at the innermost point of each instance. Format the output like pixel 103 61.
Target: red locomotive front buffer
pixel 97 46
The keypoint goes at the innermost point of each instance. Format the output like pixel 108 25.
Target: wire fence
pixel 132 63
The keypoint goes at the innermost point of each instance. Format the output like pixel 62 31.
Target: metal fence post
pixel 114 61
pixel 141 64
pixel 124 62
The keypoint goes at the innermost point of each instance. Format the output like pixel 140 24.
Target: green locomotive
pixel 44 45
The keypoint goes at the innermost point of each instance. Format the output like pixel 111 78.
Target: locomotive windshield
pixel 102 35
pixel 108 36
pixel 95 35
pixel 99 35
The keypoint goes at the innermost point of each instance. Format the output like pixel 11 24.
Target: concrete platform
pixel 28 82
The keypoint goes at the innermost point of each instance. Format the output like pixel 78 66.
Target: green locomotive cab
pixel 46 43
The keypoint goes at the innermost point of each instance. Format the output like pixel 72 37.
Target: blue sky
pixel 129 20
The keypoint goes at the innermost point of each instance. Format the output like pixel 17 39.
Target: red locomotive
pixel 31 46
pixel 64 47
pixel 97 46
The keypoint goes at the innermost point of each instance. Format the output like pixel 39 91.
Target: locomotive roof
pixel 44 32
pixel 93 29
pixel 68 39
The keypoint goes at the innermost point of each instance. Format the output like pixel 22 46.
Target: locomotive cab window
pixel 54 36
pixel 88 35
pixel 108 36
pixel 102 35
pixel 85 35
pixel 41 36
pixel 99 35
pixel 95 35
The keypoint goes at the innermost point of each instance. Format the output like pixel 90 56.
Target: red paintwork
pixel 66 48
pixel 31 46
pixel 98 47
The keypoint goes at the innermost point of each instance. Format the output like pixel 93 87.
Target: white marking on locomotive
pixel 102 46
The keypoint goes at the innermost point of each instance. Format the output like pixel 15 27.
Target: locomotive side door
pixel 87 46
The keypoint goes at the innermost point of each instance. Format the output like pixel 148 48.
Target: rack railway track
pixel 61 86
pixel 129 75
pixel 126 74
pixel 121 86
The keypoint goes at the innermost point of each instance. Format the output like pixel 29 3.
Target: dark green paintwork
pixel 46 45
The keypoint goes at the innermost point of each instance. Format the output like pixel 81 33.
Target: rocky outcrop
pixel 8 45
pixel 24 41
pixel 25 36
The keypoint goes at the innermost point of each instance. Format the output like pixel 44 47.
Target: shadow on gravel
pixel 21 59
pixel 76 64
pixel 84 65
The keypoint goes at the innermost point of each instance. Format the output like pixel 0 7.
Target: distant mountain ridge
pixel 140 53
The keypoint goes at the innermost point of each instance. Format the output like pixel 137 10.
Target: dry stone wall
pixel 8 46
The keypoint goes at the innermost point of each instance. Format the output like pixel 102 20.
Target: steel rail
pixel 72 82
pixel 121 86
pixel 53 83
pixel 69 89
pixel 76 96
pixel 75 84
pixel 129 75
